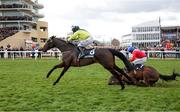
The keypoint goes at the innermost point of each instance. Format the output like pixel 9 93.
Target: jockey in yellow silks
pixel 81 38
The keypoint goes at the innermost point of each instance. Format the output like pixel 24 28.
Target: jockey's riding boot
pixel 81 54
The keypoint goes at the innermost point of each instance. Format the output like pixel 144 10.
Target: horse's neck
pixel 63 46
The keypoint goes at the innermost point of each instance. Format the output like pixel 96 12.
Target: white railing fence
pixel 30 54
pixel 57 54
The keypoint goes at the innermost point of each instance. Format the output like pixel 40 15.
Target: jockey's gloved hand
pixel 66 38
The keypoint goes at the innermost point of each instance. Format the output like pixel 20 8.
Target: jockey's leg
pixel 81 54
pixel 138 63
pixel 84 43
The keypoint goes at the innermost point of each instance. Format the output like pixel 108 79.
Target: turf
pixel 24 87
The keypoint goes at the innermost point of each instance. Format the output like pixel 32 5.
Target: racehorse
pixel 147 76
pixel 104 56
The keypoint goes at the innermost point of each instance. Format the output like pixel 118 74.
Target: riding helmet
pixel 75 28
pixel 130 49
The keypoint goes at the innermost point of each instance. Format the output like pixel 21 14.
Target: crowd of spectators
pixel 5 18
pixel 8 31
pixel 161 48
pixel 162 55
pixel 8 48
pixel 18 54
pixel 13 5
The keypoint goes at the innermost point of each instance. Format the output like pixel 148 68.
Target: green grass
pixel 24 86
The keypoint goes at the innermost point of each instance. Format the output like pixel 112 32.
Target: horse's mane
pixel 64 41
pixel 61 39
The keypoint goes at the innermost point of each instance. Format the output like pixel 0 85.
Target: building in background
pixel 126 40
pixel 152 34
pixel 146 34
pixel 20 25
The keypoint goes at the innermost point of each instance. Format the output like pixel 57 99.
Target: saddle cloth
pixel 89 53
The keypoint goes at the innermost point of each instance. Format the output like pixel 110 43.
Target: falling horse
pixel 104 56
pixel 147 76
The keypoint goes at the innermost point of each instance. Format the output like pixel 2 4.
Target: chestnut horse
pixel 147 76
pixel 104 56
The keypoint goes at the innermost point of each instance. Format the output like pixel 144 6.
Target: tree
pixel 115 42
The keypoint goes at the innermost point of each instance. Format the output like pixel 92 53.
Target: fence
pixel 158 54
pixel 57 54
pixel 29 54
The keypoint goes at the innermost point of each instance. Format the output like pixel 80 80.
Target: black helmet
pixel 75 28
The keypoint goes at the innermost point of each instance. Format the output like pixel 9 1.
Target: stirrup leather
pixel 81 53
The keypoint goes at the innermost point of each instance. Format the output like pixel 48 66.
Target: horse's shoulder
pixel 149 69
pixel 68 51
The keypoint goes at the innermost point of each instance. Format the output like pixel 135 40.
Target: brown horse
pixel 148 76
pixel 104 56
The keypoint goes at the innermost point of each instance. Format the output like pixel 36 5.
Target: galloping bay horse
pixel 104 56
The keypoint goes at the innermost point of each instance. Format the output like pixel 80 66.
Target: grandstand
pixel 152 34
pixel 146 34
pixel 170 35
pixel 20 26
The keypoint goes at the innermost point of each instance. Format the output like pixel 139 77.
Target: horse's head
pixel 59 43
pixel 49 44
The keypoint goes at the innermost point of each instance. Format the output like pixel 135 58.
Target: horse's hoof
pixel 54 84
pixel 122 88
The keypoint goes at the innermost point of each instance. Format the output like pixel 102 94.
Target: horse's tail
pixel 171 77
pixel 176 74
pixel 123 58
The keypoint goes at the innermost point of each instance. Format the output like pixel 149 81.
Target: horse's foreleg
pixel 55 67
pixel 62 73
pixel 130 79
pixel 117 75
pixel 122 72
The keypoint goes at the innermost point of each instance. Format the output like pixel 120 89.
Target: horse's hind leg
pixel 62 73
pixel 55 67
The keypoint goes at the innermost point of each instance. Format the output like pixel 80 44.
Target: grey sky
pixel 107 17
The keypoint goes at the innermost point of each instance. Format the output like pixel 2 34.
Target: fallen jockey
pixel 138 57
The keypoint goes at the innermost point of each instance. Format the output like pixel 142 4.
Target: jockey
pixel 138 57
pixel 81 38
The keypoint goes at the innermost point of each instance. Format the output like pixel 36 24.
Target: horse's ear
pixel 52 37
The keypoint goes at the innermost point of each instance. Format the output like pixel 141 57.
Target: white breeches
pixel 86 42
pixel 140 60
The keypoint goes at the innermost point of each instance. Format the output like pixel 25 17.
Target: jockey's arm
pixel 74 36
pixel 133 58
